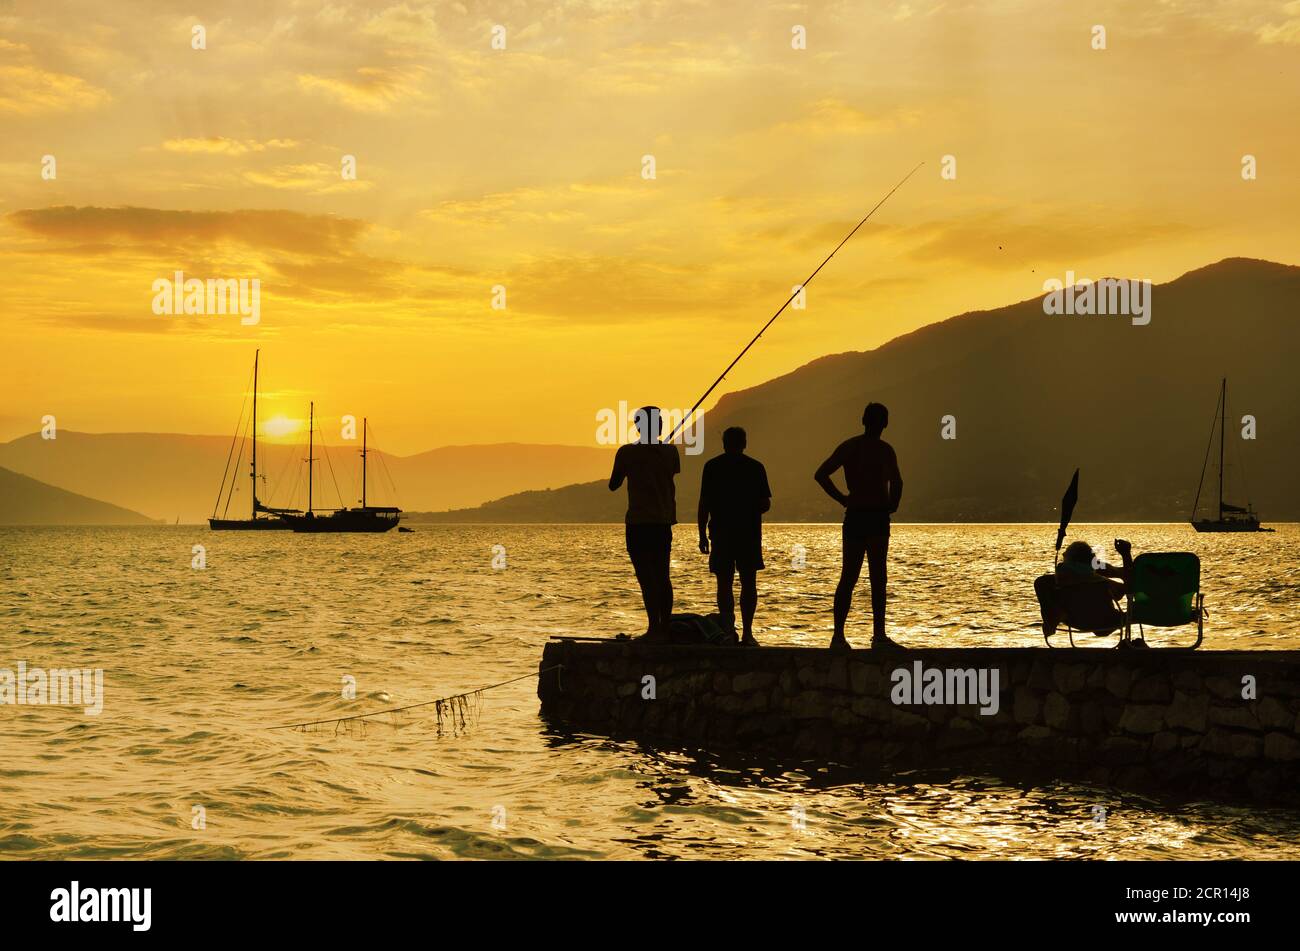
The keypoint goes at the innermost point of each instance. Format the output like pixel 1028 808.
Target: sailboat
pixel 271 520
pixel 1232 518
pixel 367 518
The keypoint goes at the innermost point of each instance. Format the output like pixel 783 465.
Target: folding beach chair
pixel 1165 591
pixel 1084 607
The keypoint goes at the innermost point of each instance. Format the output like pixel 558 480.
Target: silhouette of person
pixel 733 497
pixel 1089 586
pixel 649 467
pixel 875 489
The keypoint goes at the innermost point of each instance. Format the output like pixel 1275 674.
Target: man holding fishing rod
pixel 875 489
pixel 649 467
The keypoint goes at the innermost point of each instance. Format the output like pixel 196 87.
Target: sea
pixel 214 644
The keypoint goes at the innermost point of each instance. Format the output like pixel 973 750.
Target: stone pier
pixel 1221 724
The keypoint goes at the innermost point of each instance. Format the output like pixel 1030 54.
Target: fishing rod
pixel 798 289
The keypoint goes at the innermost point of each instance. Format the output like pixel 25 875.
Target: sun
pixel 279 426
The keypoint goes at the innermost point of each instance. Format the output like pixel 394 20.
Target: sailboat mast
pixel 311 431
pixel 1223 427
pixel 256 355
pixel 364 424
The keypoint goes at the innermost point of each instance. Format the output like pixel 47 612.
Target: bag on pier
pixel 698 629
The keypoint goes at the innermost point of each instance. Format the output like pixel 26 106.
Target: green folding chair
pixel 1165 591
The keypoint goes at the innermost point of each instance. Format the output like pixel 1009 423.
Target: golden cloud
pixel 271 229
pixel 219 145
pixel 832 116
pixel 29 91
pixel 999 240
pixel 528 204
pixel 1288 31
pixel 313 177
pixel 371 88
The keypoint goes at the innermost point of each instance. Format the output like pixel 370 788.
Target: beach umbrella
pixel 1067 509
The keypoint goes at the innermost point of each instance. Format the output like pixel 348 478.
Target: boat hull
pixel 1206 525
pixel 351 522
pixel 247 525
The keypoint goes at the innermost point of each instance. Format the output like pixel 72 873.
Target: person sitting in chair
pixel 1084 594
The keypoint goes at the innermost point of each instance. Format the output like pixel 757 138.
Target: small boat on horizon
pixel 1232 518
pixel 366 518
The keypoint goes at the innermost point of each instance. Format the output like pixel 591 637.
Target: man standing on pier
pixel 875 489
pixel 733 497
pixel 649 467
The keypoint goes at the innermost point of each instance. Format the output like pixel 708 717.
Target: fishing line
pixel 455 707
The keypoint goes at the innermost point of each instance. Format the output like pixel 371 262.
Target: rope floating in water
pixel 454 714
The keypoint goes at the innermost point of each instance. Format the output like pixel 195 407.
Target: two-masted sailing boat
pixel 367 518
pixel 1232 518
pixel 261 517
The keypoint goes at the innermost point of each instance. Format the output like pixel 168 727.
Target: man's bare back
pixel 870 471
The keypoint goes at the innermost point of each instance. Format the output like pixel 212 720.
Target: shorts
pixel 729 555
pixel 862 524
pixel 649 540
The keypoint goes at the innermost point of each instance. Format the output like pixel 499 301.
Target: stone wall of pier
pixel 1151 720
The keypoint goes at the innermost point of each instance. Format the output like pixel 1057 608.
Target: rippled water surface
pixel 199 664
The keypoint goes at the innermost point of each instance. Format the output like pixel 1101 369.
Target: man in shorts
pixel 875 489
pixel 734 494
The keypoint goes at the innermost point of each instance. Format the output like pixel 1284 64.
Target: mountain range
pixel 25 501
pixel 169 476
pixel 1029 396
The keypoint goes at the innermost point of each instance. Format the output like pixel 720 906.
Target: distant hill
pixel 1033 397
pixel 25 501
pixel 457 476
pixel 168 475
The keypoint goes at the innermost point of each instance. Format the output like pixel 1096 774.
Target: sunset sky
pixel 523 167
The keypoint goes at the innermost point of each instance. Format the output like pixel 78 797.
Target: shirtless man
pixel 875 489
